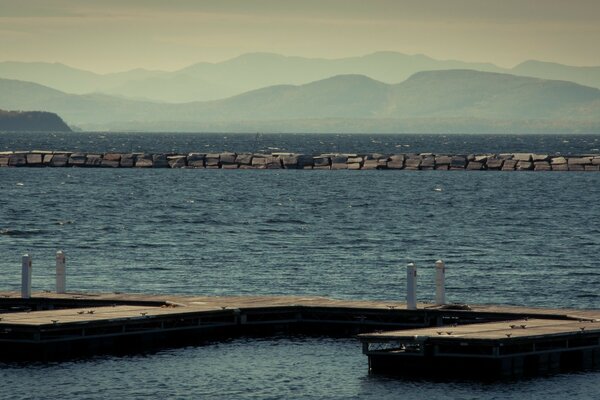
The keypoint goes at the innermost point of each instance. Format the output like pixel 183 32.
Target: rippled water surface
pixel 509 238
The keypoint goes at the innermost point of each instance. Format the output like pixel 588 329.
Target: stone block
pixel 443 160
pixel 375 156
pixel 540 157
pixel 458 162
pixel 412 163
pixel 354 160
pixel 227 158
pixel 4 161
pixel 160 161
pixel 93 160
pixel 339 159
pixel 339 166
pixel 370 164
pixel 259 162
pixel 576 167
pixel 112 157
pixel 428 162
pixel 290 161
pixel 17 160
pixel 110 163
pixel 522 156
pixel 305 161
pixel 273 162
pixel 212 160
pixel 195 160
pixel 596 161
pixel 47 159
pixel 230 166
pixel 558 160
pixel 395 164
pixel 592 167
pixel 58 160
pixel 321 161
pixel 475 166
pixel 143 161
pixel 177 161
pixel 579 161
pixel 127 161
pixel 509 165
pixel 494 163
pixel 241 159
pixel 77 159
pixel 524 165
pixel 354 166
pixel 443 167
pixel 560 167
pixel 542 166
pixel 482 158
pixel 34 159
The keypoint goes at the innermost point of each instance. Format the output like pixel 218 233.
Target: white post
pixel 411 287
pixel 61 273
pixel 440 278
pixel 26 276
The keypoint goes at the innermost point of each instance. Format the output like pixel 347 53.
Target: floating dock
pixel 508 349
pixel 482 341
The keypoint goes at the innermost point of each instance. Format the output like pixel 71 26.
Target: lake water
pixel 520 238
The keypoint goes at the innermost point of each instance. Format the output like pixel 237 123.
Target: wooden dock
pixel 497 341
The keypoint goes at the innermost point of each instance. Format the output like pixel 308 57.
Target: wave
pixel 21 233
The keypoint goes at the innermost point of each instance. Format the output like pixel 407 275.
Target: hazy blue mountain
pixel 211 81
pixel 75 109
pixel 589 76
pixel 68 79
pixel 208 81
pixel 31 121
pixel 452 100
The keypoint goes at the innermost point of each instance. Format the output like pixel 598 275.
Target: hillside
pixel 462 100
pixel 589 76
pixel 211 81
pixel 32 121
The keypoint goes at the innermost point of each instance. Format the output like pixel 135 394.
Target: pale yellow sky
pixel 115 35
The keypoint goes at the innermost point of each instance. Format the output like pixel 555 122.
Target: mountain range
pixel 456 100
pixel 212 81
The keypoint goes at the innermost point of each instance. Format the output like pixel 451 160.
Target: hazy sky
pixel 112 35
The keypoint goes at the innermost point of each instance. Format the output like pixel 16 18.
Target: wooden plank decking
pixel 475 338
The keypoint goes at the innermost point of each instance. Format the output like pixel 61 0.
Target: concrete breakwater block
pixel 331 161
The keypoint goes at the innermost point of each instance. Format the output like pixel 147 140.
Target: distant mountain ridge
pixel 212 81
pixel 31 121
pixel 452 100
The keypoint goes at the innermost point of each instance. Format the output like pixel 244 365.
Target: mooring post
pixel 26 276
pixel 61 273
pixel 411 286
pixel 440 283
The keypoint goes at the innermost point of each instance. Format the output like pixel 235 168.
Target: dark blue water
pixel 510 238
pixel 301 143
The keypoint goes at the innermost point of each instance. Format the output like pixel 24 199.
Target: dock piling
pixel 411 286
pixel 26 276
pixel 440 288
pixel 61 274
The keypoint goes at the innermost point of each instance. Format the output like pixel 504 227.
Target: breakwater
pixel 372 161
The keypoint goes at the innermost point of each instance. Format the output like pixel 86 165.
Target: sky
pixel 116 35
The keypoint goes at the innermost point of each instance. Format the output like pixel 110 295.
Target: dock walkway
pixel 496 340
